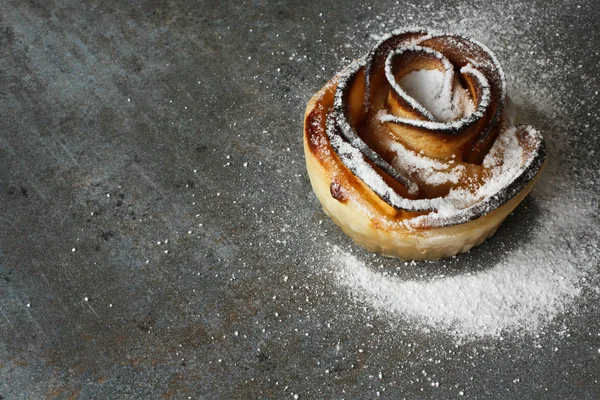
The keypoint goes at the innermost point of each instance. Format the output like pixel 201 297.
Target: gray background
pixel 106 110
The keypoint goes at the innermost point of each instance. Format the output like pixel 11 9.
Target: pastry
pixel 413 150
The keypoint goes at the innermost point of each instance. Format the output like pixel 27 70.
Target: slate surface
pixel 126 125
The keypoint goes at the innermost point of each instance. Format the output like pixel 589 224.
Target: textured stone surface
pixel 159 235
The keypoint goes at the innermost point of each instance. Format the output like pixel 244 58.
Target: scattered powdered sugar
pixel 439 92
pixel 520 291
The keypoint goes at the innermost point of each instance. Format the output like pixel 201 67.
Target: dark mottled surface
pixel 124 124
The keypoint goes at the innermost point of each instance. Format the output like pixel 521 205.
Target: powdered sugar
pixel 427 170
pixel 521 291
pixel 489 63
pixel 354 160
pixel 439 92
pixel 504 160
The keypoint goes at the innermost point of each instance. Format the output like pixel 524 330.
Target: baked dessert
pixel 413 149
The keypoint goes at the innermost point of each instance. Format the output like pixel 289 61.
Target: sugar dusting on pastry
pixel 426 169
pixel 504 162
pixel 445 98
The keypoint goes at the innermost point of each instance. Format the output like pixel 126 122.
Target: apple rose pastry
pixel 412 150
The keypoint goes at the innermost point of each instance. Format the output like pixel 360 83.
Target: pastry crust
pixel 377 224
